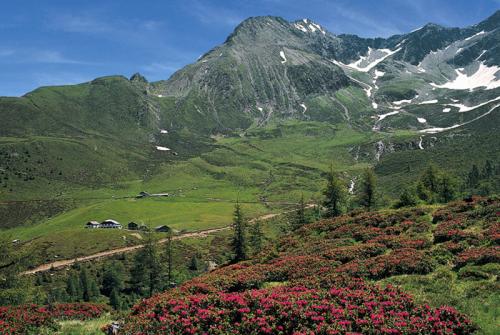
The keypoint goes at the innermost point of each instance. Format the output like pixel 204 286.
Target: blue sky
pixel 55 42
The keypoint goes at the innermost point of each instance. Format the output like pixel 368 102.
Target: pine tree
pixel 169 257
pixel 335 196
pixel 300 218
pixel 239 242
pixel 145 274
pixel 113 278
pixel 194 264
pixel 448 188
pixel 153 266
pixel 368 190
pixel 407 198
pixel 256 237
pixel 89 286
pixel 488 169
pixel 74 287
pixel 473 177
pixel 430 178
pixel 115 300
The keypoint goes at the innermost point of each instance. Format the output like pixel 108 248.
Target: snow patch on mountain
pixel 462 108
pixel 421 147
pixel 283 57
pixel 378 74
pixel 421 120
pixel 475 35
pixel 400 102
pixel 304 107
pixel 428 102
pixel 485 76
pixel 309 26
pixel 439 130
pixel 383 116
pixel 163 131
pixel 446 110
pixel 372 59
pixel 162 148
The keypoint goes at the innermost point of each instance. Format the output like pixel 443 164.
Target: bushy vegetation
pixel 324 257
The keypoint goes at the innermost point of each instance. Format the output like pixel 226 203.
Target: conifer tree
pixel 239 242
pixel 488 169
pixel 73 287
pixel 146 270
pixel 448 188
pixel 194 264
pixel 115 300
pixel 299 218
pixel 113 278
pixel 256 237
pixel 169 257
pixel 430 178
pixel 473 177
pixel 407 198
pixel 335 195
pixel 89 287
pixel 368 190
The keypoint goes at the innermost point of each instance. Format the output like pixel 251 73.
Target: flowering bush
pixel 24 319
pixel 478 256
pixel 295 310
pixel 314 281
pixel 28 319
pixel 404 261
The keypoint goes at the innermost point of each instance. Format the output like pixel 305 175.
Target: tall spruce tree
pixel 335 195
pixel 146 271
pixel 113 278
pixel 473 177
pixel 169 256
pixel 115 300
pixel 367 197
pixel 299 218
pixel 256 237
pixel 90 292
pixel 239 243
pixel 74 287
pixel 407 198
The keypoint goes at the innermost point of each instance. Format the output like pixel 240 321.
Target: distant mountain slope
pixel 432 90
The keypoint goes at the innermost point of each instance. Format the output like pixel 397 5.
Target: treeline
pixel 119 282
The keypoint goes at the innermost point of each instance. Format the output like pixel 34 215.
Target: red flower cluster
pixel 363 309
pixel 29 318
pixel 402 261
pixel 478 256
pixel 313 285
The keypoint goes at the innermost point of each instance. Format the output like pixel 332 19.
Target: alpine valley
pixel 260 119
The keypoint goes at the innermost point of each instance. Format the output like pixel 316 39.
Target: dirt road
pixel 103 254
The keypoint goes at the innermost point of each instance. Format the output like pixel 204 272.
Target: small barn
pixel 109 223
pixel 93 224
pixel 162 229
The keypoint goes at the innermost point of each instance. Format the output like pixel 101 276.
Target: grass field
pixel 267 169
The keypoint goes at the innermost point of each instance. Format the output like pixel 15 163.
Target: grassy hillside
pixel 440 255
pixel 266 168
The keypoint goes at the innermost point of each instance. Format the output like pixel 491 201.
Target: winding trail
pixel 195 234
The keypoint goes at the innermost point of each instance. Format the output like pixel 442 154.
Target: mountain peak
pixel 308 26
pixel 491 22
